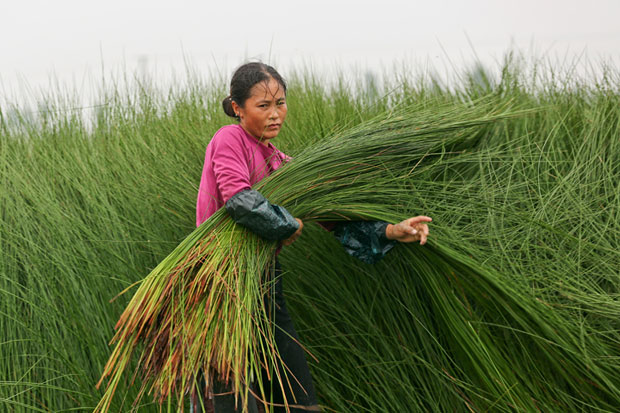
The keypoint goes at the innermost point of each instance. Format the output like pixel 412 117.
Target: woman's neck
pixel 261 141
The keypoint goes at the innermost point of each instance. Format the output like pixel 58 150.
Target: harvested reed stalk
pixel 198 309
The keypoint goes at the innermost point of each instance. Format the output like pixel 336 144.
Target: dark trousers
pixel 298 389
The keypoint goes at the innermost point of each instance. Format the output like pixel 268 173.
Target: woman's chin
pixel 268 135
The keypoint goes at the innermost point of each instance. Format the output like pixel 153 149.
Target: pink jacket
pixel 234 161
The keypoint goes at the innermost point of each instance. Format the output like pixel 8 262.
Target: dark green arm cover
pixel 364 240
pixel 252 210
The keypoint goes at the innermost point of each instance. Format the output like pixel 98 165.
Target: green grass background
pixel 513 305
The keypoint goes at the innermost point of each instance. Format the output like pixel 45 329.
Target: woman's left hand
pixel 409 230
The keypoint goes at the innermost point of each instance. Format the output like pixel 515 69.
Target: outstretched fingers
pixel 420 218
pixel 417 227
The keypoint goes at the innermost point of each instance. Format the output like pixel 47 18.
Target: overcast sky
pixel 70 39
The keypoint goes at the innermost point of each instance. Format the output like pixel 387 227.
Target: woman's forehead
pixel 269 89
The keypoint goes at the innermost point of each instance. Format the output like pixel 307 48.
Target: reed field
pixel 512 306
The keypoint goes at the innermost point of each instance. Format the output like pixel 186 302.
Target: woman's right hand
pixel 297 233
pixel 409 230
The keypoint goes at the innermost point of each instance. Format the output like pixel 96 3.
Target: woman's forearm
pixel 252 210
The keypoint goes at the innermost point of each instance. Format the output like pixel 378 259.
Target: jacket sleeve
pixel 252 210
pixel 230 165
pixel 365 240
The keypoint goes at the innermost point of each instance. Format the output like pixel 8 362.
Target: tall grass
pixel 512 306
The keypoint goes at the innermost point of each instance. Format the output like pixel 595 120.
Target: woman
pixel 237 157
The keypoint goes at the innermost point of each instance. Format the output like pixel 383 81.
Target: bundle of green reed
pixel 199 308
pixel 514 305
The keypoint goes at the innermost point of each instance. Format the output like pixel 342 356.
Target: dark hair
pixel 244 78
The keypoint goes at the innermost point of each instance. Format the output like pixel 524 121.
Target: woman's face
pixel 264 111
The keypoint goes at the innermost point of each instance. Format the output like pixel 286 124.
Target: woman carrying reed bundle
pixel 239 156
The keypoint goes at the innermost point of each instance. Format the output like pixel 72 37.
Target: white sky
pixel 70 39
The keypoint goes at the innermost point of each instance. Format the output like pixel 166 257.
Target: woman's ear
pixel 236 108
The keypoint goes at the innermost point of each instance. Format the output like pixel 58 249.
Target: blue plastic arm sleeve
pixel 252 210
pixel 365 240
